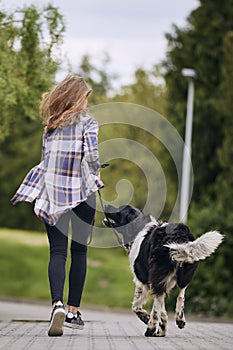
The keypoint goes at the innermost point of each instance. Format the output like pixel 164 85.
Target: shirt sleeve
pixel 90 146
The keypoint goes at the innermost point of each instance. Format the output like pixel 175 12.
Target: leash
pixel 119 240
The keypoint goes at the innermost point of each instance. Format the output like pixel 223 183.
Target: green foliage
pixel 200 46
pixel 19 152
pixel 97 77
pixel 148 89
pixel 224 106
pixel 206 44
pixel 27 69
pixel 214 275
pixel 130 167
pixel 26 66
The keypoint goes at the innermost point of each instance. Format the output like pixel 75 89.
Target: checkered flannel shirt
pixel 68 172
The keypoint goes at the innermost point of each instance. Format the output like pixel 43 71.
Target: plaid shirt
pixel 68 172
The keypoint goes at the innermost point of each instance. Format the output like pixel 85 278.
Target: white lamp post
pixel 190 74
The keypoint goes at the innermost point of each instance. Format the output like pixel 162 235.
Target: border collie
pixel 161 255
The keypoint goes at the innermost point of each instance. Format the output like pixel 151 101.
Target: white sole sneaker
pixel 56 324
pixel 75 326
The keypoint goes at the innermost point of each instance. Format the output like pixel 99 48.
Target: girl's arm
pixel 90 146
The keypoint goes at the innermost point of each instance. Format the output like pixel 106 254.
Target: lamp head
pixel 189 73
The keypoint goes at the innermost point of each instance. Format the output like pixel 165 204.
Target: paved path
pixel 23 326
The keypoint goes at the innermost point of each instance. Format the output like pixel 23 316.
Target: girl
pixel 63 186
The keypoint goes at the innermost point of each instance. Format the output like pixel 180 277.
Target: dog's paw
pixel 151 332
pixel 143 316
pixel 180 323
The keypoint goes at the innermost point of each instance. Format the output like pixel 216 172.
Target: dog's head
pixel 127 220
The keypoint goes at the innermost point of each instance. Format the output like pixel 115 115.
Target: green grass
pixel 23 270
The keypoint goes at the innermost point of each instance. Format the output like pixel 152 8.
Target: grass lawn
pixel 23 269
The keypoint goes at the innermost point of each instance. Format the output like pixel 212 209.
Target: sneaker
pixel 57 319
pixel 74 321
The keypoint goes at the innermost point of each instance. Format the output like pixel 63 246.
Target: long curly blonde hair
pixel 63 101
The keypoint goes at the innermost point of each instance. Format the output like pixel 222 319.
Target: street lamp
pixel 190 74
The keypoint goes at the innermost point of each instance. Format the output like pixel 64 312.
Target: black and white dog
pixel 161 255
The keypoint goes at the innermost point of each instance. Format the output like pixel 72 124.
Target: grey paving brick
pixel 104 330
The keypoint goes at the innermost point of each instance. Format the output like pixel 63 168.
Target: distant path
pixel 24 326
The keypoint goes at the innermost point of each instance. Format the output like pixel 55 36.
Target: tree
pixel 148 90
pixel 97 76
pixel 26 63
pixel 224 106
pixel 206 45
pixel 200 46
pixel 27 69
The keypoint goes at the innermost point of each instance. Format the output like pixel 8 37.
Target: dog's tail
pixel 197 250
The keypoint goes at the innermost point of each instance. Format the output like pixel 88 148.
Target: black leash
pixel 119 240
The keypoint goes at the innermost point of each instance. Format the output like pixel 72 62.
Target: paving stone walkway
pixel 24 326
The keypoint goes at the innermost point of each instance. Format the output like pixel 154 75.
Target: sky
pixel 132 32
